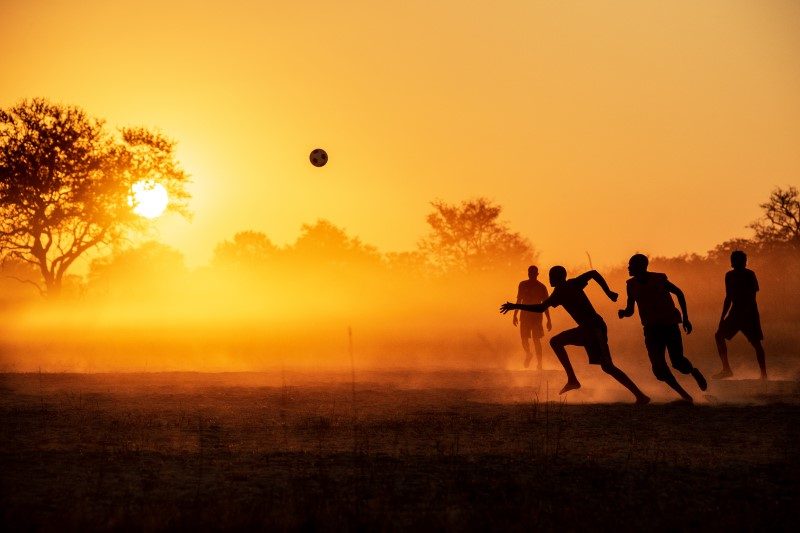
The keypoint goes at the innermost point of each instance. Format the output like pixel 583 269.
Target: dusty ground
pixel 464 451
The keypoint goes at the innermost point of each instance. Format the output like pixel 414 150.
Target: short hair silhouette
pixel 558 273
pixel 639 261
pixel 533 270
pixel 738 259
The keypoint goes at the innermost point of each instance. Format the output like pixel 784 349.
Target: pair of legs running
pixel 660 339
pixel 595 340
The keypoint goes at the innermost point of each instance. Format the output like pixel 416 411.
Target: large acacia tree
pixel 65 184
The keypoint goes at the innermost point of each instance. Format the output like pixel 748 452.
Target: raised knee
pixel 555 343
pixel 607 367
pixel 719 337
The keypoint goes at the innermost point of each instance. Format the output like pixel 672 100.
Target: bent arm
pixel 628 311
pixel 600 280
pixel 671 287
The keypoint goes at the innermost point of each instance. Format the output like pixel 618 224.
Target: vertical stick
pixel 352 367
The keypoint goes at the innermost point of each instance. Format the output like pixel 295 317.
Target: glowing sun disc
pixel 148 199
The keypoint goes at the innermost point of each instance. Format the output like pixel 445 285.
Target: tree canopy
pixel 470 237
pixel 65 184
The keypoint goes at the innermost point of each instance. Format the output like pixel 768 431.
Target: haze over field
pixel 590 131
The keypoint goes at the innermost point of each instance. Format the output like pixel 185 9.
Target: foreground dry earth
pixel 204 451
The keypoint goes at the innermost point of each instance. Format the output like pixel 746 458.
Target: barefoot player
pixel 532 291
pixel 591 332
pixel 652 292
pixel 740 313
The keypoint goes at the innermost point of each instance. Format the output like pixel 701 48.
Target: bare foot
pixel 700 379
pixel 571 385
pixel 683 401
pixel 725 373
pixel 642 400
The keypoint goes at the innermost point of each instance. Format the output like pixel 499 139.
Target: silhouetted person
pixel 532 291
pixel 741 309
pixel 591 332
pixel 652 293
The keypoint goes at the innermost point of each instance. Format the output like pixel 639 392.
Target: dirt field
pixel 405 450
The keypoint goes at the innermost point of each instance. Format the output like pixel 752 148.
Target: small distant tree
pixel 780 223
pixel 248 248
pixel 65 184
pixel 470 237
pixel 137 271
pixel 329 244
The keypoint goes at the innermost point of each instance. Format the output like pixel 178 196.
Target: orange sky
pixel 602 126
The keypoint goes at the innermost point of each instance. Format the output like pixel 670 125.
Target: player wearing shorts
pixel 591 331
pixel 531 291
pixel 652 293
pixel 740 313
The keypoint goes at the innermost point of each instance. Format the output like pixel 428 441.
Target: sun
pixel 148 198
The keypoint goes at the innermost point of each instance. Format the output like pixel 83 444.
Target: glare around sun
pixel 148 199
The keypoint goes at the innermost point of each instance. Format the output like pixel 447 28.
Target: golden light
pixel 148 198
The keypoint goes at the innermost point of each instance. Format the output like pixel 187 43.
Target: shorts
pixel 530 325
pixel 662 338
pixel 594 338
pixel 749 326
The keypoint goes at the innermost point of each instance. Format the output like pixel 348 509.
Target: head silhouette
pixel 638 264
pixel 533 272
pixel 738 259
pixel 558 275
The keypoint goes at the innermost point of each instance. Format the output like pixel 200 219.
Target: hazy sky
pixel 602 126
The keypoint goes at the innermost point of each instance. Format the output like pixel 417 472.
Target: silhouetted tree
pixel 65 184
pixel 780 223
pixel 248 248
pixel 470 238
pixel 329 244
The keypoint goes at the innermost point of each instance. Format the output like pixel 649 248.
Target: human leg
pixel 722 350
pixel 558 343
pixel 656 351
pixel 615 372
pixel 525 333
pixel 674 342
pixel 537 345
pixel 760 357
pixel 754 336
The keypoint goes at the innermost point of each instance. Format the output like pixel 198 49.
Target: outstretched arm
pixel 595 275
pixel 628 311
pixel 671 287
pixel 536 308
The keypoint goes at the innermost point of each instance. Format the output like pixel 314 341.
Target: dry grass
pixel 229 452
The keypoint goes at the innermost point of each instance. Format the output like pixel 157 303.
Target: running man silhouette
pixel 652 293
pixel 532 291
pixel 741 287
pixel 591 332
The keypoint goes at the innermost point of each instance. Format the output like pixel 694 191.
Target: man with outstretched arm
pixel 591 332
pixel 652 292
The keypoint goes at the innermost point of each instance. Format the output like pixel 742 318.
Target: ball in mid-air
pixel 318 157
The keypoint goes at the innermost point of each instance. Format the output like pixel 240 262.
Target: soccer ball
pixel 318 157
